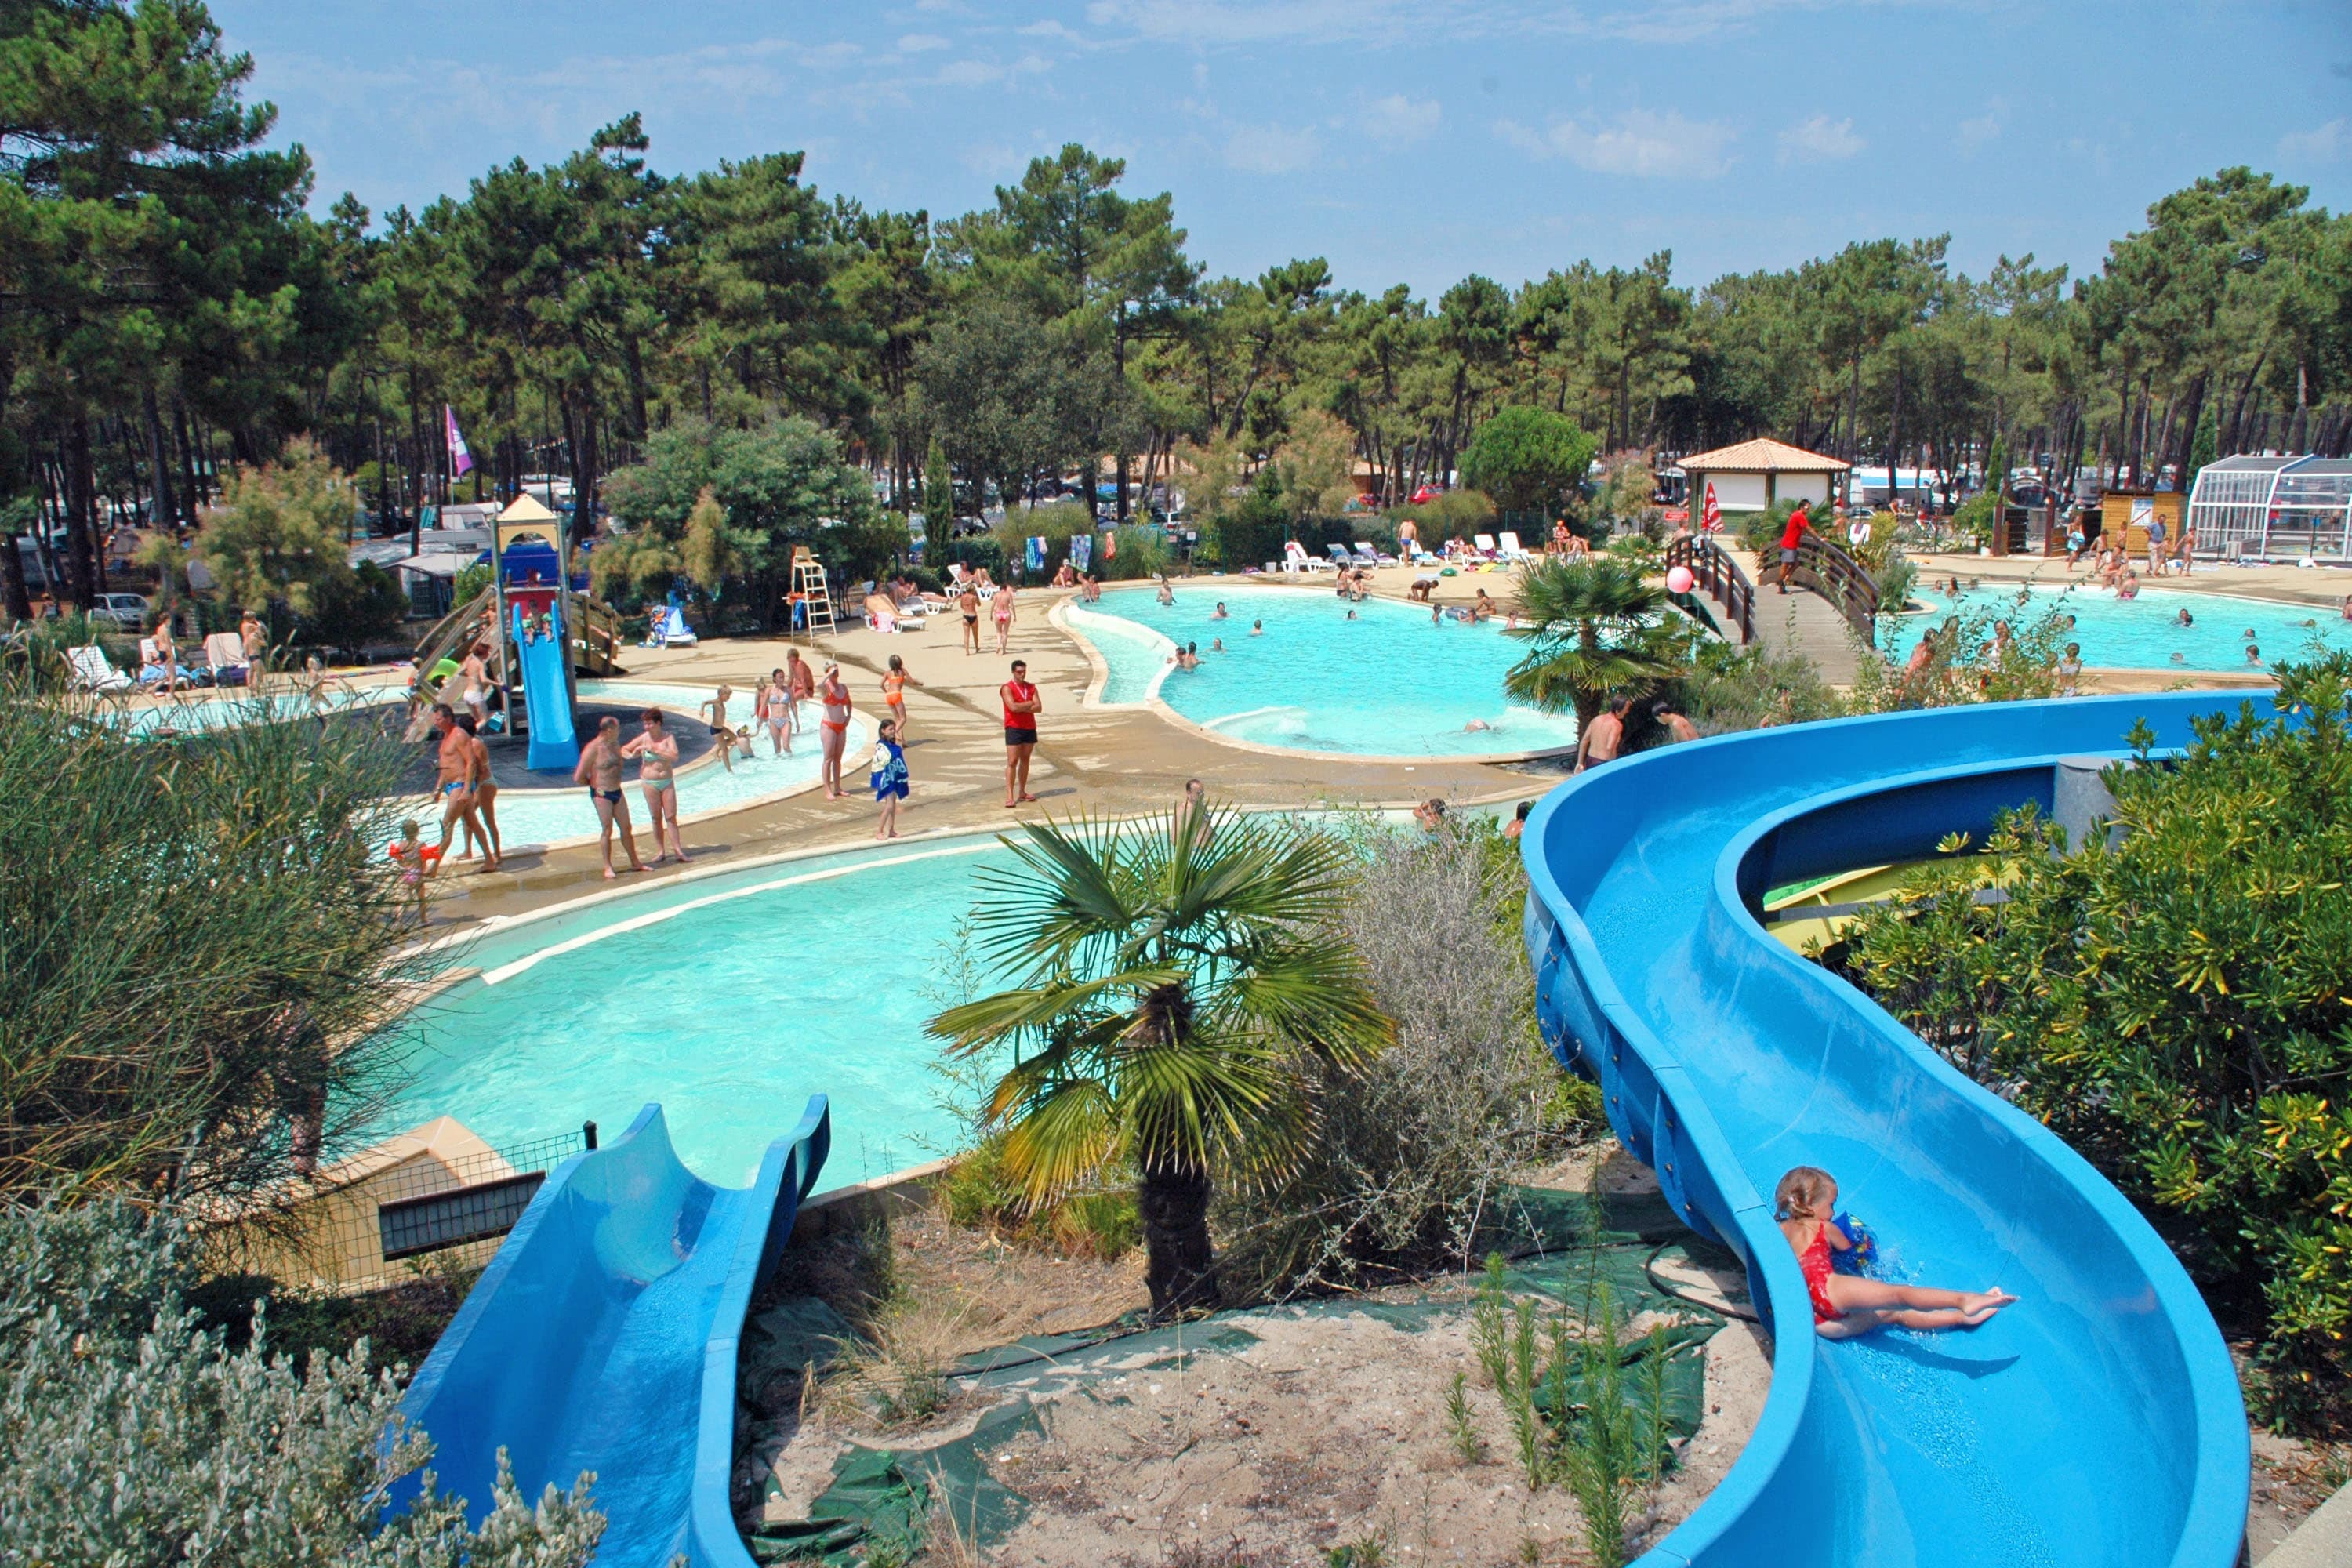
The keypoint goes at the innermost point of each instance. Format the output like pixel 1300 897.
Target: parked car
pixel 127 611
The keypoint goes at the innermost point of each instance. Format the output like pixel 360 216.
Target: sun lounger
pixel 1296 559
pixel 1484 543
pixel 225 652
pixel 89 669
pixel 1339 555
pixel 1511 548
pixel 1368 556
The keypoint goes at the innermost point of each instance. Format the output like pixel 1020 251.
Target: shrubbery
pixel 139 1437
pixel 2178 1007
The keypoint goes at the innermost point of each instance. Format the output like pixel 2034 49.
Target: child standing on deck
pixel 890 779
pixel 1846 1305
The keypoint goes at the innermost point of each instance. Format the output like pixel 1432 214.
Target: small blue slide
pixel 546 702
pixel 602 1337
pixel 2098 1420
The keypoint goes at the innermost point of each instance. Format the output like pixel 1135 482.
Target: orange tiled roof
pixel 1763 457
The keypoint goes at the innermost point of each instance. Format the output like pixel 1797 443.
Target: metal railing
pixel 360 1225
pixel 1720 576
pixel 1839 578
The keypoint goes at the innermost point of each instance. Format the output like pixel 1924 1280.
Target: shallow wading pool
pixel 2143 633
pixel 1388 683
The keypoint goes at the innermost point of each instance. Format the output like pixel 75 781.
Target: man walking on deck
pixel 1789 538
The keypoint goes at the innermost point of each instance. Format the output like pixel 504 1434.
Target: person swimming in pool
pixel 2184 618
pixel 600 770
pixel 1846 1305
pixel 1219 612
pixel 1257 628
pixel 656 753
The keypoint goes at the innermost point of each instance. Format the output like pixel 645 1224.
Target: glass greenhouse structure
pixel 2273 509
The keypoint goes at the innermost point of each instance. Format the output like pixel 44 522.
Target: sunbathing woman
pixel 1846 1305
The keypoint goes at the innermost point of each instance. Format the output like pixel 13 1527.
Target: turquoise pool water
pixel 730 1001
pixel 531 818
pixel 1388 683
pixel 185 712
pixel 2144 632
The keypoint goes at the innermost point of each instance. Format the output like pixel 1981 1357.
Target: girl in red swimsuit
pixel 1846 1305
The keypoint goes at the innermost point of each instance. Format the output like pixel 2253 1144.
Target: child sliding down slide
pixel 1846 1305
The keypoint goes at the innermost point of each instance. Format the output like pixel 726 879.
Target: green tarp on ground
pixel 1564 1246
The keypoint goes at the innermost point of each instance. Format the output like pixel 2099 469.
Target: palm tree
pixel 1177 981
pixel 1596 624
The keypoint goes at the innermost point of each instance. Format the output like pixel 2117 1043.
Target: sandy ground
pixel 1327 1431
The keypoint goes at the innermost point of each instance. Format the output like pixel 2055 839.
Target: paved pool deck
pixel 1117 760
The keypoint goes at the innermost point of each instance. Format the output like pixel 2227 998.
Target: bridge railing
pixel 1838 577
pixel 1720 576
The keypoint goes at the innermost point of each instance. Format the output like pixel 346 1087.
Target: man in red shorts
pixel 1789 536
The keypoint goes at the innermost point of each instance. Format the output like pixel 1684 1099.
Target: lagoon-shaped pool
pixel 2143 633
pixel 730 1000
pixel 1388 683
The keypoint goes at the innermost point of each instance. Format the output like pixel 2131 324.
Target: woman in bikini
pixel 834 725
pixel 473 683
pixel 894 681
pixel 968 607
pixel 656 753
pixel 1003 610
pixel 485 788
pixel 775 708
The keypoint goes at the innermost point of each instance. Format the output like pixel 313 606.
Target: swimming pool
pixel 1387 683
pixel 555 815
pixel 730 1000
pixel 2142 633
pixel 184 713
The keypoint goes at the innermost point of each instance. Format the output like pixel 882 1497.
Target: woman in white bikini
pixel 473 683
pixel 656 753
pixel 774 708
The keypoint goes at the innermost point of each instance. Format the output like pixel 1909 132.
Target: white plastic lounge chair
pixel 225 652
pixel 1339 555
pixel 89 669
pixel 1511 550
pixel 1368 556
pixel 1484 543
pixel 1296 559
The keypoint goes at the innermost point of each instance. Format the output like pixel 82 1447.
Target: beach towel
pixel 1037 553
pixel 1082 552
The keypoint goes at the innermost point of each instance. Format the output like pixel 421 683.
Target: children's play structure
pixel 536 611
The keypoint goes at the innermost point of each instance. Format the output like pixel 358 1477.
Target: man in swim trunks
pixel 600 770
pixel 804 685
pixel 1798 520
pixel 833 737
pixel 968 607
pixel 1603 737
pixel 1022 706
pixel 656 753
pixel 453 782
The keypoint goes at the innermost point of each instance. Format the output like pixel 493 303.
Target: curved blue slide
pixel 602 1337
pixel 546 701
pixel 2098 1421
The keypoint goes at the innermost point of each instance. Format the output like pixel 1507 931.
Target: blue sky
pixel 1410 141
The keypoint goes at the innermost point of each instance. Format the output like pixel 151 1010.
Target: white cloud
pixel 995 160
pixel 1977 130
pixel 1397 121
pixel 1050 29
pixel 1641 142
pixel 969 73
pixel 1819 139
pixel 1272 149
pixel 2328 143
pixel 921 43
pixel 1212 22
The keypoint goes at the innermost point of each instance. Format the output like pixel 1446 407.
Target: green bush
pixel 1974 518
pixel 158 1442
pixel 2179 1007
pixel 348 612
pixel 1529 459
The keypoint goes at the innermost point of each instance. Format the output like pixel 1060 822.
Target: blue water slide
pixel 2098 1421
pixel 602 1337
pixel 547 702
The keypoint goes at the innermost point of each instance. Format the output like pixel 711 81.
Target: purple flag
pixel 461 461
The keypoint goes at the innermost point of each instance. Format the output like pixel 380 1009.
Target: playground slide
pixel 2097 1421
pixel 546 701
pixel 602 1337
